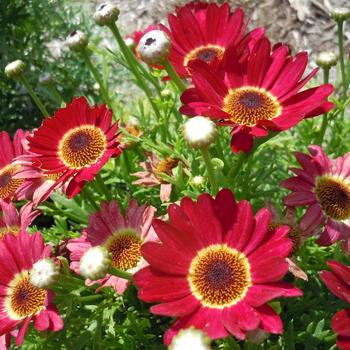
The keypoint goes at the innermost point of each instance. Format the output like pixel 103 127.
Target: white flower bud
pixel 95 263
pixel 106 13
pixel 199 132
pixel 327 59
pixel 198 181
pixel 76 41
pixel 43 273
pixel 45 78
pixel 15 69
pixel 154 47
pixel 340 14
pixel 190 338
pixel 133 121
pixel 166 93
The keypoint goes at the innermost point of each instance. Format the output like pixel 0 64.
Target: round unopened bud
pixel 327 59
pixel 95 263
pixel 340 14
pixel 96 87
pixel 106 14
pixel 129 42
pixel 45 78
pixel 199 132
pixel 43 273
pixel 15 69
pixel 166 93
pixel 198 181
pixel 77 41
pixel 133 122
pixel 154 47
pixel 190 338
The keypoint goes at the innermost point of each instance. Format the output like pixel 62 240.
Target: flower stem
pixel 86 193
pixel 320 136
pixel 120 273
pixel 34 96
pixel 174 76
pixel 97 77
pixel 340 24
pixel 133 67
pixel 102 186
pixel 210 170
pixel 55 94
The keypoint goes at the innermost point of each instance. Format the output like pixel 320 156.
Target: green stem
pixel 241 157
pixel 103 187
pixel 55 94
pixel 324 124
pixel 97 77
pixel 210 170
pixel 174 76
pixel 120 273
pixel 89 298
pixel 34 96
pixel 130 59
pixel 86 193
pixel 340 24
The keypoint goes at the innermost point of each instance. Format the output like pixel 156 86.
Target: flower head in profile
pixel 10 187
pixel 151 175
pixel 122 236
pixel 323 186
pixel 12 221
pixel 338 282
pixel 216 262
pixel 21 301
pixel 256 96
pixel 204 31
pixel 76 142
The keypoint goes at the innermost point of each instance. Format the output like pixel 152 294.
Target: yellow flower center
pixel 333 195
pixel 205 53
pixel 219 276
pixel 82 146
pixel 14 230
pixel 248 105
pixel 23 299
pixel 125 249
pixel 9 185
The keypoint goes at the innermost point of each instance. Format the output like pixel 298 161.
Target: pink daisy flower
pixel 12 221
pixel 122 235
pixel 323 185
pixel 20 301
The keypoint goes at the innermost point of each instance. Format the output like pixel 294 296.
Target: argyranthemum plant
pixel 21 301
pixel 77 141
pixel 323 185
pixel 123 237
pixel 255 96
pixel 338 282
pixel 204 31
pixel 215 263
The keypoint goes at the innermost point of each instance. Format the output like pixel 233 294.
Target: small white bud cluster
pixel 199 132
pixel 106 14
pixel 95 263
pixel 15 69
pixel 190 338
pixel 154 47
pixel 43 273
pixel 77 41
pixel 327 59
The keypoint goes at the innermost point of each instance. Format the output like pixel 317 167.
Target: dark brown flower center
pixel 248 105
pixel 333 194
pixel 24 299
pixel 205 53
pixel 125 249
pixel 9 185
pixel 219 276
pixel 82 146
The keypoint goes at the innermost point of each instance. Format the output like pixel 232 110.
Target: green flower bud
pixel 95 263
pixel 106 14
pixel 43 273
pixel 15 69
pixel 77 41
pixel 199 132
pixel 340 14
pixel 326 59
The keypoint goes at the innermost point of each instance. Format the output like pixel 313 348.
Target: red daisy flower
pixel 204 31
pixel 9 150
pixel 256 95
pixel 324 186
pixel 216 263
pixel 338 282
pixel 122 235
pixel 20 301
pixel 77 141
pixel 12 221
